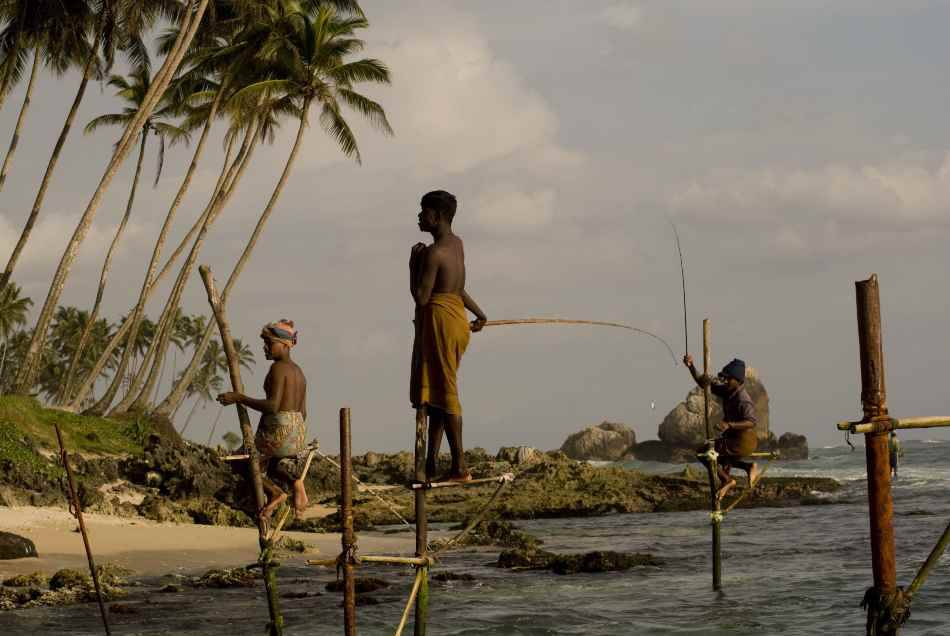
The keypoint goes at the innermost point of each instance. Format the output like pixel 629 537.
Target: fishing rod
pixel 679 250
pixel 595 323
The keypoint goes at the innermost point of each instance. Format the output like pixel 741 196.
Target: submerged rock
pixel 222 579
pixel 13 546
pixel 606 442
pixel 589 562
pixel 67 578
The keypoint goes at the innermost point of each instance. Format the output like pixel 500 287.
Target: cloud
pixel 825 209
pixel 508 210
pixel 625 16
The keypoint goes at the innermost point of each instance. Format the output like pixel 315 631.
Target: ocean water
pixel 799 570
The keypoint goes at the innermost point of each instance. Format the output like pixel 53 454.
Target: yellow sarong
pixel 442 333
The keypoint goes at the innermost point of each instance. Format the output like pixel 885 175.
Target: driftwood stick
pixel 76 506
pixel 712 465
pixel 422 527
pixel 450 484
pixel 382 560
pixel 893 424
pixel 276 625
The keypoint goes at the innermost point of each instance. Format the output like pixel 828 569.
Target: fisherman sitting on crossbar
pixel 281 433
pixel 738 437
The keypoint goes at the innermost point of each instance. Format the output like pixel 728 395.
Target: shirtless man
pixel 281 432
pixel 738 437
pixel 437 284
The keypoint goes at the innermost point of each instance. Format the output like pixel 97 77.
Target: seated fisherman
pixel 437 284
pixel 282 431
pixel 738 437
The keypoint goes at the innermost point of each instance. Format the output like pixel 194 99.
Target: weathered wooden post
pixel 346 517
pixel 76 507
pixel 713 466
pixel 422 526
pixel 276 625
pixel 422 529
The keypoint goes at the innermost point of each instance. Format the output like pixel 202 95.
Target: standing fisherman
pixel 282 430
pixel 738 437
pixel 437 285
pixel 895 452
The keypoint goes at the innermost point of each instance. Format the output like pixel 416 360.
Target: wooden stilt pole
pixel 76 506
pixel 713 467
pixel 276 625
pixel 422 530
pixel 880 505
pixel 346 516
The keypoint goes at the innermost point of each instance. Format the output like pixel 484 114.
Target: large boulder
pixel 515 455
pixel 792 446
pixel 607 442
pixel 685 425
pixel 13 546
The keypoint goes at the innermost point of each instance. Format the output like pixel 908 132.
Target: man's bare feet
pixel 300 498
pixel 271 506
pixel 725 490
pixel 462 477
pixel 754 473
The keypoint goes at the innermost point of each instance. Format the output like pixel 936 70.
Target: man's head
pixel 733 373
pixel 278 338
pixel 437 207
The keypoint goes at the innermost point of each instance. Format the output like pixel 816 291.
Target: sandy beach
pixel 150 548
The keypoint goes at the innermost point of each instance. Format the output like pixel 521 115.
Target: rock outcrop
pixel 516 455
pixel 13 546
pixel 685 426
pixel 792 446
pixel 606 442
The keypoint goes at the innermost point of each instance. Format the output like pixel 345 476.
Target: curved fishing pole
pixel 596 323
pixel 679 250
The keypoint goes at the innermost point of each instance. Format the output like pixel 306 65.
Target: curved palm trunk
pixel 51 165
pixel 137 398
pixel 177 394
pixel 120 335
pixel 190 415
pixel 139 311
pixel 104 276
pixel 15 141
pixel 214 426
pixel 29 369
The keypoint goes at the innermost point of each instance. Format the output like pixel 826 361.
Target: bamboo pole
pixel 880 505
pixel 893 424
pixel 347 540
pixel 929 564
pixel 382 560
pixel 412 597
pixel 712 465
pixel 422 599
pixel 76 505
pixel 276 625
pixel 417 485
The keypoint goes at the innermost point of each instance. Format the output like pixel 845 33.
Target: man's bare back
pixel 286 388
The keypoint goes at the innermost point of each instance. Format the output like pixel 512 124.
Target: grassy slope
pixel 23 417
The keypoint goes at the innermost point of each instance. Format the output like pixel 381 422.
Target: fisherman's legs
pixel 453 430
pixel 275 496
pixel 286 471
pixel 436 427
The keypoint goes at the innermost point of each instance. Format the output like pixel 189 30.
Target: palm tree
pixel 190 21
pixel 133 91
pixel 308 60
pixel 117 24
pixel 55 31
pixel 13 310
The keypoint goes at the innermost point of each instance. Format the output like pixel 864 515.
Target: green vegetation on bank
pixel 25 424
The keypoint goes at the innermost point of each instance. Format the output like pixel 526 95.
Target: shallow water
pixel 785 571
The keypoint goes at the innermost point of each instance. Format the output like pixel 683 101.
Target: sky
pixel 797 147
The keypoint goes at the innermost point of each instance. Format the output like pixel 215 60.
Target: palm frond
pixel 368 108
pixel 107 120
pixel 336 126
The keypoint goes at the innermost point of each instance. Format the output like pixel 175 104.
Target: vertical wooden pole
pixel 269 568
pixel 346 515
pixel 713 466
pixel 874 402
pixel 76 505
pixel 422 530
